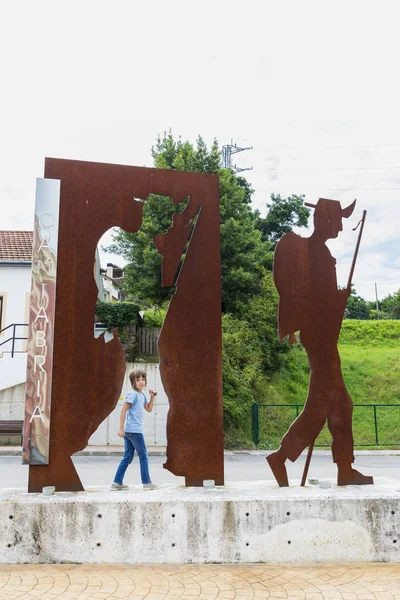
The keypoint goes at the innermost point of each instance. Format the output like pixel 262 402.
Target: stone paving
pixel 206 582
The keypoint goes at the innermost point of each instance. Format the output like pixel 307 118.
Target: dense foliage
pixel 359 308
pixel 371 333
pixel 154 317
pixel 117 314
pixel 390 306
pixel 283 215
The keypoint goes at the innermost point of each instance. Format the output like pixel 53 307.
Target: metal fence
pixel 373 424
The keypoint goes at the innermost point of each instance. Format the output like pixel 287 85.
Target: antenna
pixel 227 152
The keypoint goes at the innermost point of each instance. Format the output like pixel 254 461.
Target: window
pixel 3 312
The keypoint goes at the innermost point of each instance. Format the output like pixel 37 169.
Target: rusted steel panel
pixel 190 355
pixel 310 302
pixel 88 374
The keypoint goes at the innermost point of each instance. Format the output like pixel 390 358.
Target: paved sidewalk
pixel 205 582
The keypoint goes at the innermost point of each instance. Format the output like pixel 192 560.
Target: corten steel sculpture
pixel 88 373
pixel 310 302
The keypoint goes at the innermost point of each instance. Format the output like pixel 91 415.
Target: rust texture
pixel 311 303
pixel 87 373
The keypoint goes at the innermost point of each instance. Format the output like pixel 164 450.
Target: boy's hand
pixel 152 392
pixel 121 433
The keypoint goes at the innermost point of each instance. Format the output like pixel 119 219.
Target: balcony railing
pixel 13 337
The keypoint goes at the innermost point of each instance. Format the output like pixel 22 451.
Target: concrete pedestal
pixel 241 522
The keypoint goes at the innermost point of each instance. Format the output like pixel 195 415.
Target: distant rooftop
pixel 16 245
pixel 117 272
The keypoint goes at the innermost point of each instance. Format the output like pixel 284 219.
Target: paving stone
pixel 203 582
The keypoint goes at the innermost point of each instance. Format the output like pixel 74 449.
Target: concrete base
pixel 241 522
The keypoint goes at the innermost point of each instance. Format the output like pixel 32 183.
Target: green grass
pixel 372 376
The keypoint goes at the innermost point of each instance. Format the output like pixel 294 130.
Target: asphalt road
pixel 100 470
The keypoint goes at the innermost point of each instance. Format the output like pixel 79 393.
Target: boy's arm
pixel 122 419
pixel 149 405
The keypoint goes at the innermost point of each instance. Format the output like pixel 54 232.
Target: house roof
pixel 16 245
pixel 117 273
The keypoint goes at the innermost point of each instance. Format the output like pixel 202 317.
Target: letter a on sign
pixel 37 414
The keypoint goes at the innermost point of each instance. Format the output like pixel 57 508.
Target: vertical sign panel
pixel 41 324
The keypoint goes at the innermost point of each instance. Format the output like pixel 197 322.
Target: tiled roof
pixel 16 245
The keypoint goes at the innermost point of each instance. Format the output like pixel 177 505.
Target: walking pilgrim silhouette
pixel 310 302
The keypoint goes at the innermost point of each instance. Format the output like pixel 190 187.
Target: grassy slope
pixel 370 353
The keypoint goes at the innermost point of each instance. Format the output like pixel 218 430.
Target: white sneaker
pixel 119 486
pixel 150 486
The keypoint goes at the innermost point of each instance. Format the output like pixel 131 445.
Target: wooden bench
pixel 11 428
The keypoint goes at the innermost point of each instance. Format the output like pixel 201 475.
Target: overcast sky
pixel 313 87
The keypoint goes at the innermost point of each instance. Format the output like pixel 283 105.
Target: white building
pixel 112 282
pixel 15 285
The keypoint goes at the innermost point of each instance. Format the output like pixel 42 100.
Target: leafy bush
pixel 154 317
pixel 117 314
pixel 370 333
pixel 241 367
pixel 251 352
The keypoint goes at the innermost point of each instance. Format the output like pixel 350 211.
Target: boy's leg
pixel 126 461
pixel 140 447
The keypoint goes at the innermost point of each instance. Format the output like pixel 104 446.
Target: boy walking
pixel 131 423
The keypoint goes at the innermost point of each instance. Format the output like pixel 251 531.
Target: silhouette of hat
pixel 333 206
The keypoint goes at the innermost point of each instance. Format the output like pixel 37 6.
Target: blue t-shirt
pixel 134 415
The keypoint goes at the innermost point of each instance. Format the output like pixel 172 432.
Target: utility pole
pixel 227 152
pixel 377 303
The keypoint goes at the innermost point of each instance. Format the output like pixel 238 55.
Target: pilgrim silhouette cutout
pixel 311 303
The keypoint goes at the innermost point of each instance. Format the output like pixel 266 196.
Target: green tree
pixel 283 215
pixel 390 306
pixel 142 274
pixel 182 156
pixel 357 307
pixel 244 255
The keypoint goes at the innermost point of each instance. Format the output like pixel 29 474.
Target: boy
pixel 130 429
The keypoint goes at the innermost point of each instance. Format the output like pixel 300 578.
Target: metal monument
pixel 311 303
pixel 83 375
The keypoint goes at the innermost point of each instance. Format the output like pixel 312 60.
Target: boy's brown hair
pixel 133 375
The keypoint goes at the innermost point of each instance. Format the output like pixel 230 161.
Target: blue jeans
pixel 133 441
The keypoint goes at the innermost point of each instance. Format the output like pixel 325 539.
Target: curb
pixel 161 451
